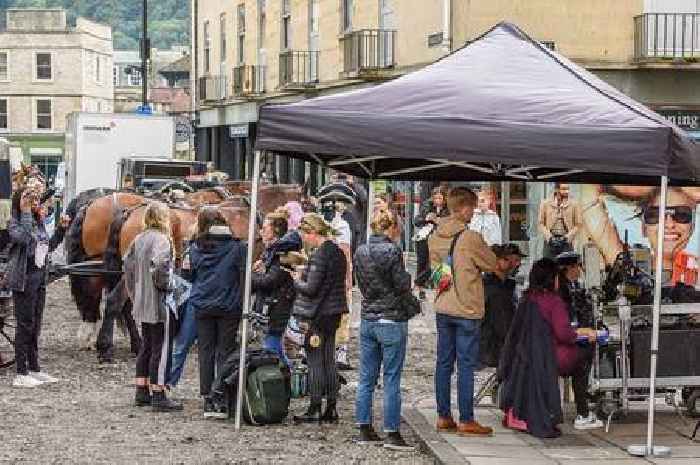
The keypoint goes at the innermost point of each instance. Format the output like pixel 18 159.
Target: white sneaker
pixel 43 377
pixel 26 381
pixel 589 422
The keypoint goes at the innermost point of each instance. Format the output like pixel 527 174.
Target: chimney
pixel 35 19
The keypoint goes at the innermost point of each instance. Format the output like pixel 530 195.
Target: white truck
pixel 96 143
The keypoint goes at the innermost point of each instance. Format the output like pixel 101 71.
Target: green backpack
pixel 267 395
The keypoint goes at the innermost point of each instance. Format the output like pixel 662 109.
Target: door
pixel 314 38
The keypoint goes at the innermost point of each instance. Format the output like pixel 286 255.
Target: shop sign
pixel 238 131
pixel 688 120
pixel 182 130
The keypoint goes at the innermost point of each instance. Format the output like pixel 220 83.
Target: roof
pixel 178 99
pixel 501 107
pixel 183 65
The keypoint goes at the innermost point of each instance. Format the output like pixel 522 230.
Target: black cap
pixel 503 251
pixel 568 258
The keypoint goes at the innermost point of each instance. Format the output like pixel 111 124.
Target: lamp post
pixel 145 55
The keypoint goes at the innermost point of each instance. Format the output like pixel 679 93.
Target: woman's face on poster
pixel 679 225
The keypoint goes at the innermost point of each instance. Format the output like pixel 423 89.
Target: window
pixel 3 114
pixel 207 47
pixel 286 32
pixel 135 77
pixel 262 21
pixel 222 31
pixel 346 15
pixel 4 66
pixel 241 33
pixel 44 117
pixel 115 76
pixel 98 70
pixel 43 67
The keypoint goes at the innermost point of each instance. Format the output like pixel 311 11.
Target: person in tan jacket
pixel 459 311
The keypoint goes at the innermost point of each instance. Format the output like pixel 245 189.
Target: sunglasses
pixel 680 214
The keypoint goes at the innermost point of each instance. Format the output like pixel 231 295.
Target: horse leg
pixel 87 295
pixel 115 300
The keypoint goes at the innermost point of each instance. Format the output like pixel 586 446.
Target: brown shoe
pixel 446 425
pixel 472 428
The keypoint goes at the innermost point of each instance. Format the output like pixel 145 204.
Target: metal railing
pixel 213 88
pixel 667 36
pixel 248 80
pixel 368 49
pixel 298 68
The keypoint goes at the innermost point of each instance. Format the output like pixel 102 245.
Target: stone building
pixel 49 69
pixel 251 52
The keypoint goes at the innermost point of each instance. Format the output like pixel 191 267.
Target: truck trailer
pixel 97 142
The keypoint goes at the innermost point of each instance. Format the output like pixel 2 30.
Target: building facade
pixel 49 69
pixel 251 52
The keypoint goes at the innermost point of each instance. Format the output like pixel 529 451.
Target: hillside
pixel 168 20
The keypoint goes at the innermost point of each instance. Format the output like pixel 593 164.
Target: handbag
pixel 406 304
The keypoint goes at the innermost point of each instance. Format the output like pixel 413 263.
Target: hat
pixel 568 258
pixel 503 251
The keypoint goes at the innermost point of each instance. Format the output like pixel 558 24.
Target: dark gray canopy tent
pixel 503 107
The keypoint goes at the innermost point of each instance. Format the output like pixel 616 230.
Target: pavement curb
pixel 442 451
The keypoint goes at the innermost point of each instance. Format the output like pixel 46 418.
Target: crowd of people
pixel 479 321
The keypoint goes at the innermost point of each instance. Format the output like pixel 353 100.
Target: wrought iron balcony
pixel 248 80
pixel 368 50
pixel 298 68
pixel 212 88
pixel 667 36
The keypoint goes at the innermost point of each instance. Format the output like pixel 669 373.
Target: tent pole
pixel 370 207
pixel 657 312
pixel 247 290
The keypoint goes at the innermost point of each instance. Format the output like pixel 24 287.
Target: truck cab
pixel 148 175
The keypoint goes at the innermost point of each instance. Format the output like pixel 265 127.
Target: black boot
pixel 367 435
pixel 330 415
pixel 394 441
pixel 312 415
pixel 143 397
pixel 160 403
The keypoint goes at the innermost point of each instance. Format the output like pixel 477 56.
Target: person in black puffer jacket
pixel 272 283
pixel 382 277
pixel 320 302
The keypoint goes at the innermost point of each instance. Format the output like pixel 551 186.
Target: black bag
pixel 406 304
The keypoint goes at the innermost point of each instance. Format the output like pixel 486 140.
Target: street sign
pixel 238 130
pixel 182 131
pixel 144 110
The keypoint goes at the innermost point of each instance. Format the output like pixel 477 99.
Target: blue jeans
pixel 381 343
pixel 183 342
pixel 457 339
pixel 273 342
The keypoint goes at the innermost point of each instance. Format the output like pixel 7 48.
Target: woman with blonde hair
pixel 382 278
pixel 148 265
pixel 320 302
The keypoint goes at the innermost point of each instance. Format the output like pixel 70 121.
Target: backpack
pixel 442 276
pixel 267 390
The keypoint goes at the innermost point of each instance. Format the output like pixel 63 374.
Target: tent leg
pixel 650 449
pixel 370 207
pixel 247 290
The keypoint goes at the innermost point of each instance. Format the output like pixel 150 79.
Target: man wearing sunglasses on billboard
pixel 680 222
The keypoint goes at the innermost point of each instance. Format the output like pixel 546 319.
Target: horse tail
pixel 112 257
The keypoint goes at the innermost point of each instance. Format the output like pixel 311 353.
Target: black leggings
pixel 579 380
pixel 323 373
pixel 29 310
pixel 422 263
pixel 155 354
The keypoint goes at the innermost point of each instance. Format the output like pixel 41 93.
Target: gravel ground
pixel 88 417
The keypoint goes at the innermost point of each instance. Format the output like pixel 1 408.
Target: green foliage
pixel 168 20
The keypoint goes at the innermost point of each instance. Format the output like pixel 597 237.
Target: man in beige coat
pixel 459 311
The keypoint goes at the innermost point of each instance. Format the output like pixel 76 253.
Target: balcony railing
pixel 368 50
pixel 248 80
pixel 659 36
pixel 298 68
pixel 212 88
